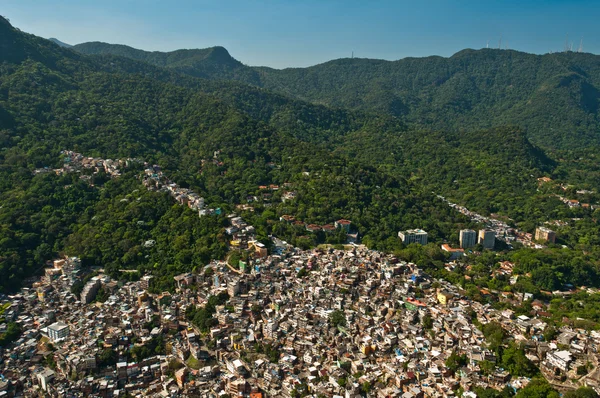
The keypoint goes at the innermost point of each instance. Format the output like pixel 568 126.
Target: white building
pixel 559 359
pixel 57 331
pixel 45 377
pixel 413 236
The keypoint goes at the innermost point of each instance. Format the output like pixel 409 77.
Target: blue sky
pixel 288 33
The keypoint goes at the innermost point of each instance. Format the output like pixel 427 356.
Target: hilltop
pixel 211 63
pixel 60 43
pixel 554 97
pixel 225 139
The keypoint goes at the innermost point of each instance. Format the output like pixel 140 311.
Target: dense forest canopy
pixel 367 162
pixel 555 97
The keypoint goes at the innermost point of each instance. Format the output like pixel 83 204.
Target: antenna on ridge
pixel 487 45
pixel 352 54
pixel 500 43
pixel 567 43
pixel 580 49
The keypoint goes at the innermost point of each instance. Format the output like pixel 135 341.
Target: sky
pixel 288 33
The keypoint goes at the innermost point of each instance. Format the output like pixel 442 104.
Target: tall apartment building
pixel 487 238
pixel 145 281
pixel 270 329
pixel 58 330
pixel 413 236
pixel 468 238
pixel 90 289
pixel 546 234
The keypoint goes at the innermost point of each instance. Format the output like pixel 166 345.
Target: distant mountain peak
pixel 197 62
pixel 60 43
pixel 4 21
pixel 5 24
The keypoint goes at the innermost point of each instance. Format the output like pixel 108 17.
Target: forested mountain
pixel 553 97
pixel 365 165
pixel 54 99
pixel 214 62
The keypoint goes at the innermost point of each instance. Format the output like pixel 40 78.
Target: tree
pixel 13 331
pixel 486 367
pixel 365 388
pixel 337 318
pixel 538 388
pixel 545 278
pixel 455 361
pixel 516 363
pixel 107 357
pixel 494 334
pixel 427 321
pixel 506 392
pixel 550 333
pixel 581 392
pixel 302 273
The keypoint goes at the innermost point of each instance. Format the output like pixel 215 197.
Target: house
pixel 313 228
pixel 444 297
pixel 45 377
pixel 343 224
pixel 260 250
pixel 559 359
pixel 566 338
pixel 455 254
pixel 184 280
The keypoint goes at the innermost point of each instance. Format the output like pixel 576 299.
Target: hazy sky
pixel 306 32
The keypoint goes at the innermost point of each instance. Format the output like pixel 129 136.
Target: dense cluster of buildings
pixel 153 177
pixel 395 328
pixel 76 162
pixel 324 322
pixel 495 229
pixel 155 180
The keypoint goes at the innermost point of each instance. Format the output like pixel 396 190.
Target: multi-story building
pixel 45 377
pixel 487 238
pixel 559 359
pixel 413 236
pixel 468 238
pixel 57 331
pixel 545 234
pixel 145 281
pixel 270 329
pixel 90 289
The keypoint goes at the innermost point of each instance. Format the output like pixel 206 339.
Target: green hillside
pixel 214 62
pixel 363 165
pixel 553 97
pixel 54 99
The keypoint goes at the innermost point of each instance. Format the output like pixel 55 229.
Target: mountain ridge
pixel 60 43
pixel 226 139
pixel 472 89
